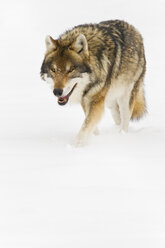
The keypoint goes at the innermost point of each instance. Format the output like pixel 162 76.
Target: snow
pixel 110 193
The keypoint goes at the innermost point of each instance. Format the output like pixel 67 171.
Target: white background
pixel 110 193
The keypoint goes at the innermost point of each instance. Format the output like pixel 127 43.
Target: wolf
pixel 98 65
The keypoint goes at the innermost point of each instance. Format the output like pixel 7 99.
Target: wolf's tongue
pixel 63 100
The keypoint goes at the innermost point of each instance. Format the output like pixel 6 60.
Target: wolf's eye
pixel 53 70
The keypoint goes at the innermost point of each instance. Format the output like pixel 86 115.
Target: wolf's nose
pixel 57 92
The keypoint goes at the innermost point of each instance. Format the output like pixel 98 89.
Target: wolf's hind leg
pixel 94 114
pixel 125 113
pixel 115 113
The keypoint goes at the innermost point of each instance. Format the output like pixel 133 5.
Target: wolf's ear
pixel 50 43
pixel 80 44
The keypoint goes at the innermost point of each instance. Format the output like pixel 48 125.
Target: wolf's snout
pixel 58 92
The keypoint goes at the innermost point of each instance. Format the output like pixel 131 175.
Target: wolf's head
pixel 66 67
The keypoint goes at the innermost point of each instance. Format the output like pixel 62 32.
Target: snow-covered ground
pixel 110 193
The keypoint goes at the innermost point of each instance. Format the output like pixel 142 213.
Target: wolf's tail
pixel 138 105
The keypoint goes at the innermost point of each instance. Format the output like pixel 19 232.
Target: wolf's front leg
pixel 85 108
pixel 96 109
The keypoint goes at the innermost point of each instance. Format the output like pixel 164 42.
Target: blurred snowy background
pixel 110 193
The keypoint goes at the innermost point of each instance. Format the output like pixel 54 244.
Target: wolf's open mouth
pixel 63 100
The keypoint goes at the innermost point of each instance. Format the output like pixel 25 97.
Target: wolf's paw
pixel 123 130
pixel 80 143
pixel 81 140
